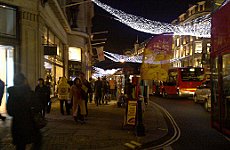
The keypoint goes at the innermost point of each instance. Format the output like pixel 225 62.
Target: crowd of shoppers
pixel 73 95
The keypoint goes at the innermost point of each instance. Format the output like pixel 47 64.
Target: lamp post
pixel 139 129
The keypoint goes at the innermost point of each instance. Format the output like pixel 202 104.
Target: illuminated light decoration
pixel 111 58
pixel 101 72
pixel 138 59
pixel 200 27
pixel 123 58
pixel 225 2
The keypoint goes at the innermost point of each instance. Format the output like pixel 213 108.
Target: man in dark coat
pixel 43 93
pixel 19 105
pixel 98 91
pixel 2 87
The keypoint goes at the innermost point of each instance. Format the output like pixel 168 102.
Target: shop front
pixel 53 58
pixel 8 42
pixel 7 70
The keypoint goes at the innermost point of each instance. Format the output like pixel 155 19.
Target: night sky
pixel 121 37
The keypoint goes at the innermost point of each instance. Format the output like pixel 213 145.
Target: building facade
pixel 191 50
pixel 35 37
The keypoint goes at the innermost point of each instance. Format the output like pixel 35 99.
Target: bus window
pixel 215 92
pixel 226 89
pixel 172 78
pixel 192 74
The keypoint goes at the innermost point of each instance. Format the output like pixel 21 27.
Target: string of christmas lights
pixel 99 72
pixel 200 27
pixel 138 59
pixel 120 58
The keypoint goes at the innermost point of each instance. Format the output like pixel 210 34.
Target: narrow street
pixel 194 124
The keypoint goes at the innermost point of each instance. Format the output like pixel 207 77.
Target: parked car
pixel 203 95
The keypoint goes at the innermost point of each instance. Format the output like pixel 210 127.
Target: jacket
pixel 19 107
pixel 63 89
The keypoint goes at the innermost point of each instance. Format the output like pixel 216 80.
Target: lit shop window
pixel 74 54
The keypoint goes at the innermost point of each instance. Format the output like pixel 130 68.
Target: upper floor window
pixel 198 47
pixel 201 7
pixel 177 41
pixel 8 21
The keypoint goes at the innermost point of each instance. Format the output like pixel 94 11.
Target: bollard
pixel 139 129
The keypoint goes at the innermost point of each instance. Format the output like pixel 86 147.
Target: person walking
pixel 112 86
pixel 91 82
pixel 19 106
pixel 105 92
pixel 98 91
pixel 49 105
pixel 86 90
pixel 2 87
pixel 63 90
pixel 43 93
pixel 78 101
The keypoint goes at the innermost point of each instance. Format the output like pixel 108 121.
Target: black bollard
pixel 139 129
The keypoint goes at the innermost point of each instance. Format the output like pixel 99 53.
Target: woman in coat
pixel 78 102
pixel 19 107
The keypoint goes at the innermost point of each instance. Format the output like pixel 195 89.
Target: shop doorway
pixel 6 71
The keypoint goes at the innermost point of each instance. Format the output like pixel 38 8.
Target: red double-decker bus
pixel 181 81
pixel 220 69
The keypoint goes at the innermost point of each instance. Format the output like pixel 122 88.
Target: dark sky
pixel 121 37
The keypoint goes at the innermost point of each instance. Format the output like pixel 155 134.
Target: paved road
pixel 194 124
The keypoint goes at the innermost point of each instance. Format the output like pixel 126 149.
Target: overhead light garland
pixel 123 58
pixel 199 27
pixel 138 59
pixel 99 72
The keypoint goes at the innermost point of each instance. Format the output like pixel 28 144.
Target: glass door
pixel 6 71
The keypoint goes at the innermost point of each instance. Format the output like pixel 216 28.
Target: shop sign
pixel 50 50
pixel 131 112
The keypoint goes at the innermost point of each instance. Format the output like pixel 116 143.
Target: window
pixel 192 74
pixel 8 21
pixel 215 92
pixel 226 88
pixel 177 41
pixel 198 47
pixel 75 54
pixel 226 74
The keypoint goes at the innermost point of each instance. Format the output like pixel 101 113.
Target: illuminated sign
pixel 74 54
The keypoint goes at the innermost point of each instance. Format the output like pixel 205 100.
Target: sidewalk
pixel 103 129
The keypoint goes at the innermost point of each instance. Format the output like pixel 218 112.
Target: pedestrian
pixel 104 88
pixel 91 82
pixel 70 82
pixel 105 92
pixel 129 89
pixel 47 83
pixel 78 101
pixel 63 90
pixel 98 91
pixel 2 87
pixel 19 106
pixel 112 86
pixel 86 90
pixel 43 93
